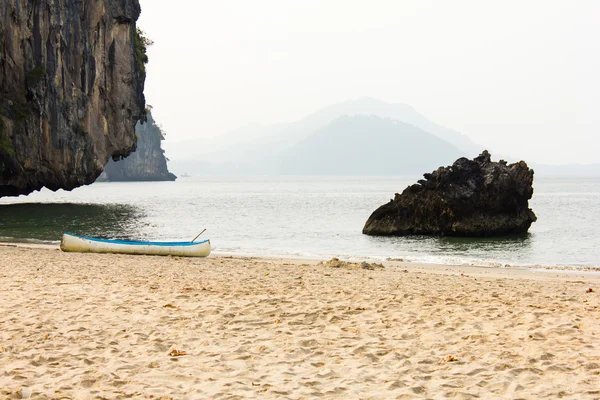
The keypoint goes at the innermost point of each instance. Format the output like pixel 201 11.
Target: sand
pixel 93 326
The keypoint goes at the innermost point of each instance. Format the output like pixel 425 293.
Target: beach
pixel 93 326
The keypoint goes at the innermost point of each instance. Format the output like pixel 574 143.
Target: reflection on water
pixel 498 248
pixel 463 244
pixel 457 249
pixel 47 222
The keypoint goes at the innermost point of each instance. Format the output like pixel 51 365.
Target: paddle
pixel 199 234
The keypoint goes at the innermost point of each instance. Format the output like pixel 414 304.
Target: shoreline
pixel 391 261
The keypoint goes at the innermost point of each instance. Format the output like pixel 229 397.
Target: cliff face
pixel 147 163
pixel 469 198
pixel 71 90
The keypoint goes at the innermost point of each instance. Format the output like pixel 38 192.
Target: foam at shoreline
pixel 433 260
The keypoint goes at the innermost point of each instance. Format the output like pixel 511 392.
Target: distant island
pixel 147 163
pixel 363 136
pixel 366 145
pixel 285 148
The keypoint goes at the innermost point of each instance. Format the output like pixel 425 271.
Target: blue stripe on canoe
pixel 114 241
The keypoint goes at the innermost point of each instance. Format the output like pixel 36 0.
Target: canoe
pixel 84 244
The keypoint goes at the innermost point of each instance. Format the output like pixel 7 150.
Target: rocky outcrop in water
pixel 71 90
pixel 147 163
pixel 469 198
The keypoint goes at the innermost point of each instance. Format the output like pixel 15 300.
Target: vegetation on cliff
pixel 141 43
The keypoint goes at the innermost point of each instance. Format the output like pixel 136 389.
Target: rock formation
pixel 470 198
pixel 147 163
pixel 71 90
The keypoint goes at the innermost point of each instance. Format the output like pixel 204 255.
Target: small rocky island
pixel 147 163
pixel 475 198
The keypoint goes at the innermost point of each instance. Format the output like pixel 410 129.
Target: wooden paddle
pixel 199 234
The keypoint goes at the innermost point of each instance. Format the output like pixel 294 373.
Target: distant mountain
pixel 396 111
pixel 367 145
pixel 265 149
pixel 255 142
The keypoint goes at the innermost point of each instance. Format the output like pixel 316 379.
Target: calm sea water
pixel 311 217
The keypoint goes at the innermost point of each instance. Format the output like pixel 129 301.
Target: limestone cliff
pixel 71 90
pixel 147 163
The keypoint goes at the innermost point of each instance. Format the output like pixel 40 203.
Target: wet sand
pixel 91 326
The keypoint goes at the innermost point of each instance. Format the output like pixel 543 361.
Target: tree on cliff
pixel 141 42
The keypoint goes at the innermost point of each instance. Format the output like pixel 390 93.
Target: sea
pixel 308 217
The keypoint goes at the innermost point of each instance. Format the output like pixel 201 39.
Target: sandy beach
pixel 95 326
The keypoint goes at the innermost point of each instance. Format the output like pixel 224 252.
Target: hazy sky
pixel 520 77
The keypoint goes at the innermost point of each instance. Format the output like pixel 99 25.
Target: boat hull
pixel 83 244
